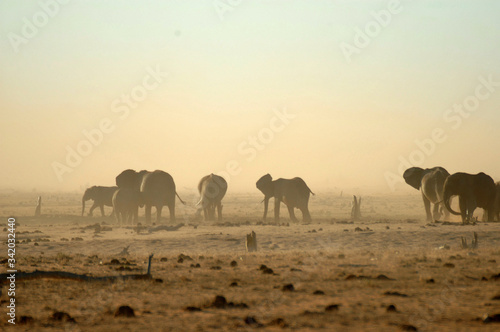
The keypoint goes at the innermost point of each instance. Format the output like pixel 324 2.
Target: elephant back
pixel 158 187
pixel 485 190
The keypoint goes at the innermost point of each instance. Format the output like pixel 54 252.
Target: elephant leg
pixel 158 213
pixel 463 208
pixel 292 213
pixel 306 216
pixel 266 203
pixel 219 211
pixel 276 209
pixel 205 214
pixel 92 208
pixel 436 213
pixel 147 211
pixel 171 208
pixel 102 210
pixel 427 205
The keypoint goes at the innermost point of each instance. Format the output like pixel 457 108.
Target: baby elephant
pixel 126 203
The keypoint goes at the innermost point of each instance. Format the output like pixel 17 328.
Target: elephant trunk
pixel 446 200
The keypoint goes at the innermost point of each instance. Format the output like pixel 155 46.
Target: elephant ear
pixel 413 176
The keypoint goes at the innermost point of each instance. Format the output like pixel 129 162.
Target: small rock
pixel 391 308
pixel 250 320
pixel 233 263
pixel 25 320
pixel 219 302
pixel 450 265
pixel 267 271
pixel 491 319
pixel 233 284
pixel 62 316
pixel 278 322
pixel 332 307
pixel 407 327
pixel 445 247
pixel 193 309
pixel 124 311
pixel 163 259
pixel 288 287
pixel 319 292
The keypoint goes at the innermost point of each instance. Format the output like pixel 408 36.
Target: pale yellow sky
pixel 295 88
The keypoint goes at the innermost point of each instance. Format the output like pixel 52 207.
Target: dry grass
pixel 342 279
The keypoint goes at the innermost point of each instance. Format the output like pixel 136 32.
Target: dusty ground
pixel 343 279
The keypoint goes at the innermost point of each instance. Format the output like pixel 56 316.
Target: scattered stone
pixel 233 284
pixel 407 327
pixel 450 265
pixel 192 309
pixel 216 267
pixel 278 322
pixel 495 276
pixel 159 280
pixel 114 261
pixel 496 297
pixel 391 308
pixel 332 307
pixel 180 260
pixel 196 266
pixel 62 316
pixel 124 311
pixel 35 244
pixel 250 320
pixel 389 293
pixel 295 270
pixel 288 288
pixel 64 239
pixel 267 271
pixel 430 281
pixel 383 277
pixel 76 239
pixel 25 320
pixel 341 256
pixel 185 257
pixel 262 267
pixel 319 292
pixel 163 259
pixel 233 263
pixel 444 247
pixel 491 319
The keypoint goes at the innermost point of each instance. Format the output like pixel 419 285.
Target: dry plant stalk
pixel 356 208
pixel 251 242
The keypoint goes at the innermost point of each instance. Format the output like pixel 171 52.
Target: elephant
pixel 473 190
pixel 100 195
pixel 212 189
pixel 430 182
pixel 496 212
pixel 293 192
pixel 126 202
pixel 158 189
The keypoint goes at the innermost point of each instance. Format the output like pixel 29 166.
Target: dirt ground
pixel 389 271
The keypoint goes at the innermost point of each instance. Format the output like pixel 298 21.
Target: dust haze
pixel 193 89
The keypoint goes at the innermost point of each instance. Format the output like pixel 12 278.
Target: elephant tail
pixel 180 199
pixel 446 202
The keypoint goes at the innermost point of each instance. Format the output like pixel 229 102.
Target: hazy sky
pixel 336 92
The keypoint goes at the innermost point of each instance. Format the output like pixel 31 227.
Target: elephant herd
pixel 147 189
pixel 473 191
